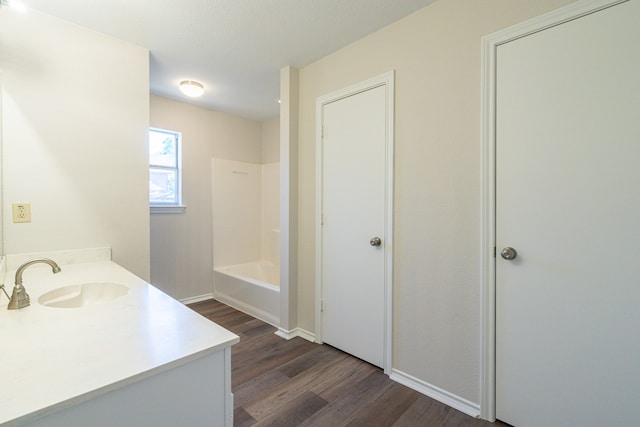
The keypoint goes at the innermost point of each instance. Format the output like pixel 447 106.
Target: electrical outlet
pixel 22 212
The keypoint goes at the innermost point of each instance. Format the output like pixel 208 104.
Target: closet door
pixel 568 223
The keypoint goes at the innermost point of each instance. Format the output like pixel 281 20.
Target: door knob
pixel 508 253
pixel 376 241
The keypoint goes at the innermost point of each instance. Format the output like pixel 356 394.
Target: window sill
pixel 167 209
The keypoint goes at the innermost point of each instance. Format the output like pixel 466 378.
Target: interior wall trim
pixel 449 399
pixel 247 309
pixel 297 332
pixel 197 298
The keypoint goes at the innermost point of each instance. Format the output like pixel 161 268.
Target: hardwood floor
pixel 298 383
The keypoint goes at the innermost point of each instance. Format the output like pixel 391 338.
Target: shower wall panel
pixel 237 212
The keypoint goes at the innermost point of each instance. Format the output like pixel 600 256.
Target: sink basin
pixel 75 296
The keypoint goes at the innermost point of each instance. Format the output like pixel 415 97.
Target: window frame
pixel 178 206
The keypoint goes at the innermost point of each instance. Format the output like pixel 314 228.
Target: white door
pixel 353 206
pixel 568 201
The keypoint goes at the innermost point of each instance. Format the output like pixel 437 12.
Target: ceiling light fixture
pixel 191 88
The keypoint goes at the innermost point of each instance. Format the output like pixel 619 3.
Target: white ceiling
pixel 236 48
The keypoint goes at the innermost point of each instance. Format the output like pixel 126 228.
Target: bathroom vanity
pixel 104 358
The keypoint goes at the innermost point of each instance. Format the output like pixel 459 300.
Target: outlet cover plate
pixel 21 212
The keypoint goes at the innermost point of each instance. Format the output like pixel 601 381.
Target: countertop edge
pixel 33 416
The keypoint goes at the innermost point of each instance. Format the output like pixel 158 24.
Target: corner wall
pixel 75 118
pixel 271 190
pixel 436 55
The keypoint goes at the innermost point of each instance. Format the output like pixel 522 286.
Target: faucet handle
pixel 4 290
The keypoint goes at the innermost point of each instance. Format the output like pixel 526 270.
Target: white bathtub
pixel 253 288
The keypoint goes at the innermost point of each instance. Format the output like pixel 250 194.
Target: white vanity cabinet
pixel 197 393
pixel 140 359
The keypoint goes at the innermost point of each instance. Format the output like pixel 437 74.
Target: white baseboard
pixel 449 399
pixel 297 332
pixel 248 309
pixel 198 298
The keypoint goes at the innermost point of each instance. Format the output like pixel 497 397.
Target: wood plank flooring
pixel 298 383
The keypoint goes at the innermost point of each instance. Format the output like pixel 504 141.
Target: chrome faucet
pixel 20 297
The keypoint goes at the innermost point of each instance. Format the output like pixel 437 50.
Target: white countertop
pixel 52 358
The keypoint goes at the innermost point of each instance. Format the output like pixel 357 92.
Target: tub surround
pixel 246 237
pixel 67 359
pixel 253 288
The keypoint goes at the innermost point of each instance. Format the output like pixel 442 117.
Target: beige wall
pixel 181 244
pixel 436 55
pixel 271 189
pixel 75 116
pixel 271 141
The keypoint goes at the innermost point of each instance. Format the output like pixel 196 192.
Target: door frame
pixel 489 46
pixel 387 81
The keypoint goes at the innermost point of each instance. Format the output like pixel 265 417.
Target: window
pixel 164 170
